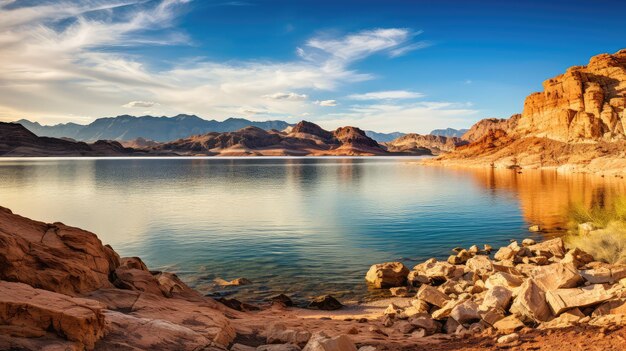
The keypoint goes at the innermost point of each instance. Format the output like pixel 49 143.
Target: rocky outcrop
pixel 585 103
pixel 577 123
pixel 53 257
pixel 59 285
pixel 424 144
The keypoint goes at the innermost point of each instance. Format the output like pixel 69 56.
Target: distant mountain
pixel 147 127
pixel 17 141
pixel 305 138
pixel 449 132
pixel 383 137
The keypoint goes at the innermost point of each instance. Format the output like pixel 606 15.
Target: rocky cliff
pixel 577 123
pixel 586 103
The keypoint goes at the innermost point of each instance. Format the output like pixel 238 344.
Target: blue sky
pixel 409 66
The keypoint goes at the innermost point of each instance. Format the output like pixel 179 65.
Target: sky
pixel 409 66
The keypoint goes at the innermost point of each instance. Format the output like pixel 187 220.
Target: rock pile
pixel 541 285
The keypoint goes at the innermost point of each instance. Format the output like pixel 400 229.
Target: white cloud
pixel 133 104
pixel 386 95
pixel 419 117
pixel 286 96
pixel 326 103
pixel 87 70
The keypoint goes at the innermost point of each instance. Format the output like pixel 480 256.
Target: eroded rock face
pixel 584 103
pixel 54 256
pixel 44 268
pixel 34 312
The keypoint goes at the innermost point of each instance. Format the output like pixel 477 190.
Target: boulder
pixel 561 300
pixel 416 278
pixel 322 342
pixel 603 275
pixel 389 274
pixel 480 264
pixel 435 270
pixel 530 304
pixel 492 316
pixel 557 276
pixel 507 339
pixel 282 299
pixel 497 297
pixel 549 248
pixel 40 311
pixel 426 323
pixel 528 242
pixel 432 296
pixel 444 312
pixel 566 319
pixel 504 253
pixel 508 324
pixel 326 303
pixel 506 280
pixel 241 347
pixel 466 312
pixel 617 306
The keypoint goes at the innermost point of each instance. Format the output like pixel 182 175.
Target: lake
pixel 300 226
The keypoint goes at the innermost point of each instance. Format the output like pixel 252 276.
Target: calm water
pixel 300 226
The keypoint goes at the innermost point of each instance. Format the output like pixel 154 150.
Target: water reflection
pixel 303 226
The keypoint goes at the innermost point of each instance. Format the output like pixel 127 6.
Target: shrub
pixel 608 243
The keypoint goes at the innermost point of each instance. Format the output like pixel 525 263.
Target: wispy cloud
pixel 326 103
pixel 60 60
pixel 386 95
pixel 143 104
pixel 286 96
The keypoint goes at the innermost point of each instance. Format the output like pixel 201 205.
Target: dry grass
pixel 608 243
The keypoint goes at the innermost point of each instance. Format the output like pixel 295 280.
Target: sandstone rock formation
pixel 584 103
pixel 60 286
pixel 578 122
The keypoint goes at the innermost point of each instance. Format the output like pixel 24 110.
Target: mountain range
pixel 160 129
pixel 163 129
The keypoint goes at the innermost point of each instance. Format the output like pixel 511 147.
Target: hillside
pixel 15 141
pixel 305 138
pixel 577 123
pixel 160 129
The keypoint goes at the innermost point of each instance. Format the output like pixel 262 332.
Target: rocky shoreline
pixel 62 289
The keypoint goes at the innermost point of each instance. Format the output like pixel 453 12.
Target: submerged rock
pixel 326 303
